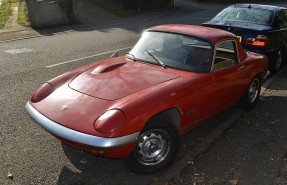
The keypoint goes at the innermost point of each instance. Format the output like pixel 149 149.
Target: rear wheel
pixel 278 61
pixel 251 96
pixel 156 147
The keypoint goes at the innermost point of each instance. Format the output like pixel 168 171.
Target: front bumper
pixel 79 137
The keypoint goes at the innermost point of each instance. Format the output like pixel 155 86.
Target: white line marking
pixel 70 61
pixel 17 51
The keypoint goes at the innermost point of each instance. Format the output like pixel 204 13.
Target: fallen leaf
pixel 10 176
pixel 233 182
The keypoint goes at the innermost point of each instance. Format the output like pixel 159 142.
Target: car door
pixel 228 80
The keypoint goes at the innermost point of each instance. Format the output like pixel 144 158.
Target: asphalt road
pixel 28 154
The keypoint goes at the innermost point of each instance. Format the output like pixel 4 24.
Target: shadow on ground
pixel 92 169
pixel 95 170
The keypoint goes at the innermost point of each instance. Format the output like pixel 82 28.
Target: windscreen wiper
pixel 133 57
pixel 157 59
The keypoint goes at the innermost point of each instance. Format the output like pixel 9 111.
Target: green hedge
pixel 5 12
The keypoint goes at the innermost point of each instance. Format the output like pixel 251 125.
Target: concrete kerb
pixel 186 160
pixel 98 26
pixel 78 29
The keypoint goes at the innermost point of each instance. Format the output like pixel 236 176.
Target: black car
pixel 260 28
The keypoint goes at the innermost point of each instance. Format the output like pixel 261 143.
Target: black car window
pixel 282 19
pixel 226 55
pixel 252 15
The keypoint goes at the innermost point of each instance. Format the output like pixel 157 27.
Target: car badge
pixel 65 107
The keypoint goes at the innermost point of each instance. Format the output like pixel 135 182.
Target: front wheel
pixel 251 96
pixel 156 147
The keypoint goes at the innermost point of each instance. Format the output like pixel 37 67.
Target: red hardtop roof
pixel 211 34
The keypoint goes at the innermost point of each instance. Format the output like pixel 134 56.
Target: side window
pixel 225 55
pixel 282 19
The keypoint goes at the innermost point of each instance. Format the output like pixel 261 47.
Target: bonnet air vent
pixel 107 68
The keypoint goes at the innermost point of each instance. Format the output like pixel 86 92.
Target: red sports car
pixel 137 106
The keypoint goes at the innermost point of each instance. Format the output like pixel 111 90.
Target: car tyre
pixel 251 95
pixel 278 61
pixel 155 149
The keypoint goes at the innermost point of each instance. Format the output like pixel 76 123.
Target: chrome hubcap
pixel 253 90
pixel 153 147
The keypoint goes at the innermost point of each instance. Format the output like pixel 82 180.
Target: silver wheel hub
pixel 153 147
pixel 253 90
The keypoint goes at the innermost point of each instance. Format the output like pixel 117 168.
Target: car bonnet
pixel 116 79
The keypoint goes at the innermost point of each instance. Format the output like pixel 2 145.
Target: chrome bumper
pixel 78 137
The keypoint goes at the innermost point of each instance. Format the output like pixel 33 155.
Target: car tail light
pixel 260 40
pixel 110 121
pixel 45 90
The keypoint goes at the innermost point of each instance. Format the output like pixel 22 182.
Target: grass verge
pixel 14 3
pixel 22 17
pixel 5 12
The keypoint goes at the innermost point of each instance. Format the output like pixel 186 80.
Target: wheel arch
pixel 260 76
pixel 253 74
pixel 160 128
pixel 171 116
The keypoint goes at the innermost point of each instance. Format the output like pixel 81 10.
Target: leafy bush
pixel 5 12
pixel 14 3
pixel 22 17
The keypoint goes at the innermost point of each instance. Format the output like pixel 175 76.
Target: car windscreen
pixel 174 50
pixel 252 15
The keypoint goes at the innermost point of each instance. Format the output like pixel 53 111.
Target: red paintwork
pixel 124 80
pixel 213 35
pixel 142 90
